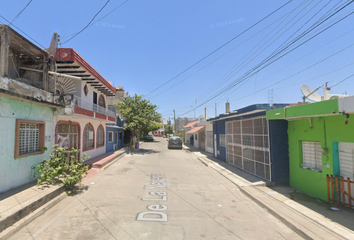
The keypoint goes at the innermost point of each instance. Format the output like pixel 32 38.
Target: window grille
pixel 100 136
pixel 222 140
pixel 88 137
pixel 28 138
pixel 110 136
pixel 311 155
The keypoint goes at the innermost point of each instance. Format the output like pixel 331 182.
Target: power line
pixel 19 14
pixel 217 49
pixel 345 79
pixel 22 31
pixel 103 16
pixel 250 73
pixel 226 52
pixel 88 23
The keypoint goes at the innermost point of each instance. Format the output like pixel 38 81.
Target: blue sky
pixel 144 44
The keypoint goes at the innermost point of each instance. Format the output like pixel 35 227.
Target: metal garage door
pixel 247 146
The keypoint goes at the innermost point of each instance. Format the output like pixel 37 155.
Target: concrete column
pixel 4 51
pixel 45 73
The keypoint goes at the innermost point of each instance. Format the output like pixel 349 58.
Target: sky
pixel 191 55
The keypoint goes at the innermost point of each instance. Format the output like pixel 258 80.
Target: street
pixel 195 202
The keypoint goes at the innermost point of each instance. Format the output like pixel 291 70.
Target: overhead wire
pixel 254 70
pixel 22 31
pixel 244 61
pixel 246 75
pixel 102 17
pixel 216 59
pixel 220 47
pixel 20 13
pixel 88 23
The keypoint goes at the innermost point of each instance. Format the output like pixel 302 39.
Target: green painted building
pixel 321 142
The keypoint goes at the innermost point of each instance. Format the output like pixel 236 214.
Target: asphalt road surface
pixel 156 193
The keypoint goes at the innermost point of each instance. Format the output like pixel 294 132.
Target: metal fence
pixel 92 107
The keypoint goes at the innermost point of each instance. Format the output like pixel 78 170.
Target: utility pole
pixel 169 125
pixel 174 119
pixel 216 109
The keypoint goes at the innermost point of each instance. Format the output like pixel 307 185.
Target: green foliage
pixel 168 129
pixel 140 115
pixel 62 167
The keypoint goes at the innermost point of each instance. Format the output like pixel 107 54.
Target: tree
pixel 140 115
pixel 168 129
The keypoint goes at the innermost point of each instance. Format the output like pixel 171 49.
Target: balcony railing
pixel 92 107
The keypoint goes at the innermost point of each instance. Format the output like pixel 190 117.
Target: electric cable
pixel 88 23
pixel 217 49
pixel 248 74
pixel 20 13
pixel 223 54
pixel 22 31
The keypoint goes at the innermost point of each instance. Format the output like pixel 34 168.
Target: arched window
pixel 100 136
pixel 89 137
pixel 101 101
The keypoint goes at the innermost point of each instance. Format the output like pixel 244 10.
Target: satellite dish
pixel 310 94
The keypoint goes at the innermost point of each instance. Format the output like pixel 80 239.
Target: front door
pixel 68 136
pixel 116 141
pixel 346 164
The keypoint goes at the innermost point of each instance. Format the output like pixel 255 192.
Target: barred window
pixel 110 136
pixel 100 136
pixel 311 155
pixel 222 140
pixel 30 138
pixel 89 136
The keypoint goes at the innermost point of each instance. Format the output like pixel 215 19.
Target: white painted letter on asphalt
pixel 142 218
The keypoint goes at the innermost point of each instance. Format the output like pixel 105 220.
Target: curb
pixel 8 232
pixel 303 231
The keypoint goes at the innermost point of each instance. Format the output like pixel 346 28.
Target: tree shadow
pixel 141 151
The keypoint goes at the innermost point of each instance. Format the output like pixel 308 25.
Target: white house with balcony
pixel 82 122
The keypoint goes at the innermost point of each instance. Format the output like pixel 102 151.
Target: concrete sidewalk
pixel 309 217
pixel 22 205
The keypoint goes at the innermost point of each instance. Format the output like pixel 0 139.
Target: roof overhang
pixel 194 130
pixel 71 63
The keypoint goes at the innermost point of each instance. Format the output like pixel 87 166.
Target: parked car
pixel 150 137
pixel 157 135
pixel 175 142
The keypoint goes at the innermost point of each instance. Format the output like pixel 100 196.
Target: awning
pixel 196 129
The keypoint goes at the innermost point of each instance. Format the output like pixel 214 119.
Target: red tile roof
pixel 190 124
pixel 196 129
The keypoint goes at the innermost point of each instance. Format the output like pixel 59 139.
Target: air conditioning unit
pixel 114 146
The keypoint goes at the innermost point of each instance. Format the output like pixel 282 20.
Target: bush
pixel 63 167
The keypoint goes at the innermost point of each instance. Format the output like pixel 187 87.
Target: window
pixel 311 156
pixel 89 136
pixel 222 140
pixel 101 101
pixel 30 138
pixel 110 136
pixel 196 136
pixel 100 136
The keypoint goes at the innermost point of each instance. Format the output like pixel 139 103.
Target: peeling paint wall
pixel 16 172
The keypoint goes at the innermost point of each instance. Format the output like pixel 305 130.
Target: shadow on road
pixel 141 151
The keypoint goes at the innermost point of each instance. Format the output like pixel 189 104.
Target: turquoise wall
pixel 325 130
pixel 16 172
